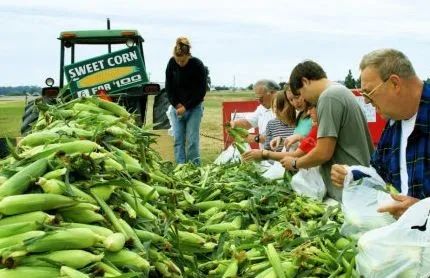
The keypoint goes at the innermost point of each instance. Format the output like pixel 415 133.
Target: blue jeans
pixel 186 130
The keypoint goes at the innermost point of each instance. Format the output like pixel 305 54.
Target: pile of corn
pixel 84 195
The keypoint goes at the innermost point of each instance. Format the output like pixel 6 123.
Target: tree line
pixel 19 90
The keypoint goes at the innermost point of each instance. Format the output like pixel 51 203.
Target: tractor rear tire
pixel 3 148
pixel 31 113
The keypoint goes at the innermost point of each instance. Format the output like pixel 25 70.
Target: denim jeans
pixel 186 130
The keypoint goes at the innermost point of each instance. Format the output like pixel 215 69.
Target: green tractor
pixel 119 76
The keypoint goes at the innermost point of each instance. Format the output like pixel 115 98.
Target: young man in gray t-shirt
pixel 343 135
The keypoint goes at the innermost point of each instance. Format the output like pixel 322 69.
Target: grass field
pixel 11 110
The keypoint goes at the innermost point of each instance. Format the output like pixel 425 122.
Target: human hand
pixel 180 110
pixel 396 209
pixel 292 139
pixel 338 173
pixel 275 142
pixel 287 163
pixel 252 155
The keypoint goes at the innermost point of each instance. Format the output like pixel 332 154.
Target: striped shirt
pixel 276 128
pixel 386 158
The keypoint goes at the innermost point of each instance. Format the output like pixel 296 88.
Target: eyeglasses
pixel 369 94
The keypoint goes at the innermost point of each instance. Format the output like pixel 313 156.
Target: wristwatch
pixel 294 164
pixel 257 138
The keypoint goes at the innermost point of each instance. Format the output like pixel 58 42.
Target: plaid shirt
pixel 386 158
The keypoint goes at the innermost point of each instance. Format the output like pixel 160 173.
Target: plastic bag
pixel 169 116
pixel 401 249
pixel 308 182
pixel 230 155
pixel 275 171
pixel 360 202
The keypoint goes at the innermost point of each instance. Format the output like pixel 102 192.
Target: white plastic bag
pixel 401 249
pixel 230 155
pixel 169 112
pixel 275 171
pixel 360 202
pixel 308 182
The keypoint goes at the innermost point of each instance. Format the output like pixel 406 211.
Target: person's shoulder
pixel 196 61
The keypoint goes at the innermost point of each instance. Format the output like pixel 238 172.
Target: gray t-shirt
pixel 340 116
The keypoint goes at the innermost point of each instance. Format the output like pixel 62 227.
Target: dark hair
pixel 307 69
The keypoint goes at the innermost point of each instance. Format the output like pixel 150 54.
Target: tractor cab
pixel 119 75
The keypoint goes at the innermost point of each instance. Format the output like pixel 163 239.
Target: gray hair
pixel 388 61
pixel 269 85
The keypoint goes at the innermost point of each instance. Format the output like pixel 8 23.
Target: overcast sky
pixel 239 40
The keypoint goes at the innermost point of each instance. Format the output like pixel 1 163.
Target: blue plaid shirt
pixel 386 158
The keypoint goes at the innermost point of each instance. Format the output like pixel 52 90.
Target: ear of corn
pixel 231 270
pixel 127 258
pixel 145 190
pixel 18 228
pixel 80 146
pixel 141 210
pixel 39 138
pixel 85 216
pixel 71 258
pixel 114 242
pixel 275 261
pixel 19 238
pixel 36 216
pixel 102 231
pixel 72 273
pixel 131 234
pixel 89 107
pixel 149 236
pixel 56 174
pixel 116 109
pixel 74 238
pixel 190 238
pixel 108 270
pixel 19 182
pixel 33 202
pixel 103 191
pixel 33 272
pixel 210 204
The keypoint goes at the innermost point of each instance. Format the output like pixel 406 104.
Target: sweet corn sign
pixel 111 72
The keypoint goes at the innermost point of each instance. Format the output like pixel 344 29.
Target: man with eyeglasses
pixel 343 135
pixel 402 157
pixel 265 91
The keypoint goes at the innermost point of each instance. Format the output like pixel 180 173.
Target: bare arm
pixel 322 152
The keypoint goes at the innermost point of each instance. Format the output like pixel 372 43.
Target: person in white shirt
pixel 265 91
